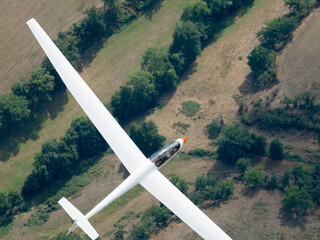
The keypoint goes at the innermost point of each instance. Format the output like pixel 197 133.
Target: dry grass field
pixel 213 82
pixel 217 76
pixel 300 62
pixel 19 53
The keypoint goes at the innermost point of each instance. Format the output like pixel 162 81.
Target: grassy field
pixel 119 57
pixel 212 83
pixel 216 78
pixel 19 52
pixel 299 66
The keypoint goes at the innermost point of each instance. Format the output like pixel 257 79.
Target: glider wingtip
pixel 31 21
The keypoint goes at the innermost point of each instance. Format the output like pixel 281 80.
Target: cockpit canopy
pixel 160 157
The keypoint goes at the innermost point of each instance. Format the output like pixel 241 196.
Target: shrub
pixel 235 143
pixel 190 108
pixel 200 152
pixel 213 129
pixel 254 177
pixel 277 32
pixel 156 61
pixel 259 145
pixel 276 150
pixel 296 199
pixel 243 164
pixel 186 43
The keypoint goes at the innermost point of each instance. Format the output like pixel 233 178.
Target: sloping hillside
pixel 120 56
pixel 213 82
pixel 300 63
pixel 19 53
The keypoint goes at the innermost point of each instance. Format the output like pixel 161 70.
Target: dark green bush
pixel 213 129
pixel 276 150
pixel 199 152
pixel 254 177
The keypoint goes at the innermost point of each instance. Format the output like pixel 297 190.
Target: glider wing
pixel 129 154
pixel 160 187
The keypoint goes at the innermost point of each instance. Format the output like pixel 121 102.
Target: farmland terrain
pixel 212 82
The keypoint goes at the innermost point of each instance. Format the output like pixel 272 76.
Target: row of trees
pixel 28 95
pixel 58 159
pixel 300 185
pixel 237 142
pixel 299 112
pixel 162 67
pixel 273 37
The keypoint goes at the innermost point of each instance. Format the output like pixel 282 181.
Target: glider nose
pixel 184 139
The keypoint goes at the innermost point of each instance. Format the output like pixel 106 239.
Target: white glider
pixel 142 170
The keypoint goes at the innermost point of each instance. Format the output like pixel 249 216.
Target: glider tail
pixel 80 220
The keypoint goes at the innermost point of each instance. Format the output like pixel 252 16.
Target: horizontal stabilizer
pixel 80 219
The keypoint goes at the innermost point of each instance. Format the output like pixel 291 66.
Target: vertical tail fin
pixel 80 219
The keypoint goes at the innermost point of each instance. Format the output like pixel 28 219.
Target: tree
pixel 147 137
pixel 198 13
pixel 58 158
pixel 296 199
pixel 213 129
pixel 277 32
pixel 137 96
pixel 87 139
pixel 40 86
pixel 235 143
pixel 186 40
pixel 276 150
pixel 91 29
pixel 156 61
pixel 243 164
pixel 9 198
pixel 299 8
pixel 144 94
pixel 13 110
pixel 258 59
pixel 254 177
pixel 259 145
pixel 122 104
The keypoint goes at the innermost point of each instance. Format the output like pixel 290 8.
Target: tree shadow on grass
pixel 90 54
pixel 148 12
pixel 29 130
pixel 247 86
pixel 292 220
pixel 6 224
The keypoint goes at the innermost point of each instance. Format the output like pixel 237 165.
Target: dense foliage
pixel 8 200
pixel 299 112
pixel 237 142
pixel 276 150
pixel 146 137
pixel 273 37
pixel 213 129
pixel 58 159
pixel 304 192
